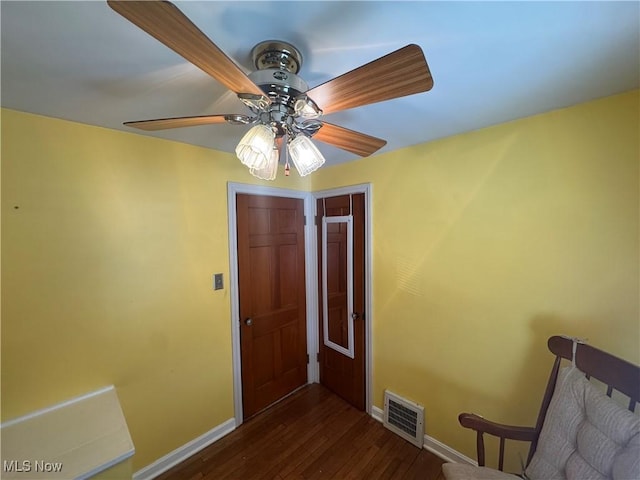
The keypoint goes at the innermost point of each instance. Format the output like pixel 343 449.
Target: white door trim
pixel 367 189
pixel 310 279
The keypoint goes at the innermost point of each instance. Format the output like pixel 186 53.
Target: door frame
pixel 366 189
pixel 311 280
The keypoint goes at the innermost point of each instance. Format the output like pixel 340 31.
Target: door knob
pixel 248 322
pixel 355 315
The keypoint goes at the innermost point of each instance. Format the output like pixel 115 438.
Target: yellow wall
pixel 109 242
pixel 484 245
pixel 487 243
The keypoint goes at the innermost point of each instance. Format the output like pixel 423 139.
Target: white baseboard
pixel 445 452
pixel 377 413
pixel 436 447
pixel 185 451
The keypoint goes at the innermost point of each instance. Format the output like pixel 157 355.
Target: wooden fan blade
pixel 349 140
pixel 165 22
pixel 177 122
pixel 400 73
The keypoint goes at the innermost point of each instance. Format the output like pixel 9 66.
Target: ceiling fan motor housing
pixel 279 84
pixel 276 54
pixel 283 88
pixel 278 63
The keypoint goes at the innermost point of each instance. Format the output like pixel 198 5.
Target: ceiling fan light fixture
pixel 270 170
pixel 305 155
pixel 256 147
pixel 306 108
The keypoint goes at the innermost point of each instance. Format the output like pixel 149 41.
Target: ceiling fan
pixel 284 111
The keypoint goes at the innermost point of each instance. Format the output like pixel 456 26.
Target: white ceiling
pixel 491 62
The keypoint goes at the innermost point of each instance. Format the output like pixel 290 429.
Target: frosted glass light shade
pixel 269 171
pixel 255 148
pixel 305 155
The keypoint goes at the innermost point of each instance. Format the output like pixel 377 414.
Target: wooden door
pixel 342 328
pixel 272 298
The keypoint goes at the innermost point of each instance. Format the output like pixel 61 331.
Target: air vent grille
pixel 404 418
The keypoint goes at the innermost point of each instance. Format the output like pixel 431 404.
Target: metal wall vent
pixel 404 418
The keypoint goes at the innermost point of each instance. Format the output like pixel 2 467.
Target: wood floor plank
pixel 425 466
pixel 359 451
pixel 310 435
pixel 333 428
pixel 327 464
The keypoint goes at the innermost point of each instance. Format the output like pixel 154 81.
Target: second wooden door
pixel 341 268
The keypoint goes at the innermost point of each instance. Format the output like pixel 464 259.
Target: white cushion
pixel 586 435
pixel 627 463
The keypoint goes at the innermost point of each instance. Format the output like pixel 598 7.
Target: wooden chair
pixel 617 374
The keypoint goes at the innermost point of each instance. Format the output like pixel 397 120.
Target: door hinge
pixel 305 220
pixel 307 358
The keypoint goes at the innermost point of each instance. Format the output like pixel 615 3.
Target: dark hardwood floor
pixel 313 434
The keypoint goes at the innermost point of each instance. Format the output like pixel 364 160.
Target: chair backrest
pixel 617 374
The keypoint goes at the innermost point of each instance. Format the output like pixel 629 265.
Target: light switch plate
pixel 218 283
